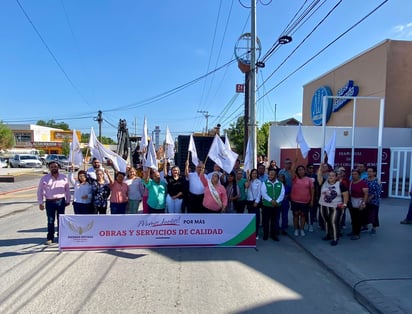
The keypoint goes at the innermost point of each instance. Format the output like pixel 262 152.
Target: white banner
pixel 101 232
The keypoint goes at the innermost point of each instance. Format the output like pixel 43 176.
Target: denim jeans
pixel 118 208
pixel 54 207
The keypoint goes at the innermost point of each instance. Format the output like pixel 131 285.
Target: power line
pixel 52 54
pixel 301 43
pixel 323 49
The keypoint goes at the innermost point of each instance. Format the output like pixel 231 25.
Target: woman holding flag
pixel 215 198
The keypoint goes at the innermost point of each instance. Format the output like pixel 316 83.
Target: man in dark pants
pixel 273 193
pixel 54 187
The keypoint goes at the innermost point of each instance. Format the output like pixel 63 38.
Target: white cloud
pixel 403 31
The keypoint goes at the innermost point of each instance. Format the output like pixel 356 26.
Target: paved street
pixel 297 274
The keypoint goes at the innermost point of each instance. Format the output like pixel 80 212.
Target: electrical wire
pixel 304 39
pixel 210 55
pixel 53 55
pixel 323 49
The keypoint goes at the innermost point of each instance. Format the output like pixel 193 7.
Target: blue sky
pixel 115 55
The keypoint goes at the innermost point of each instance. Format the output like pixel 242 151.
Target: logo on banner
pixel 80 229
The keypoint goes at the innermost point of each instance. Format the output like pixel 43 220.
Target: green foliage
pixel 53 124
pixel 236 135
pixel 66 147
pixel 262 139
pixel 6 137
pixel 105 140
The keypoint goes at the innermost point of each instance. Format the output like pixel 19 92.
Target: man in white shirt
pixel 196 189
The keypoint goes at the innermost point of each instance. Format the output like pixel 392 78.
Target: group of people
pixel 269 192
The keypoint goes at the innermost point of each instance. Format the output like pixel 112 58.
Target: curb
pixel 369 297
pixel 18 190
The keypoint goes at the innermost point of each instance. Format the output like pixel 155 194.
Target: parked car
pixel 3 163
pixel 25 161
pixel 61 160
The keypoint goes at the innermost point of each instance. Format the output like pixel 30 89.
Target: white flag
pixel 170 144
pixel 192 149
pixel 223 157
pixel 151 160
pixel 330 149
pixel 144 140
pixel 248 164
pixel 300 140
pixel 100 152
pixel 227 143
pixel 75 155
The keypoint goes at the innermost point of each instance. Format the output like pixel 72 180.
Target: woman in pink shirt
pixel 215 198
pixel 119 194
pixel 301 198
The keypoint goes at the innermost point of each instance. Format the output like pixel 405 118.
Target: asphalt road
pixel 277 277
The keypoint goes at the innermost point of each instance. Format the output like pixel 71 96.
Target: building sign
pixel 348 90
pixel 317 105
pixel 61 135
pixel 369 156
pixel 240 88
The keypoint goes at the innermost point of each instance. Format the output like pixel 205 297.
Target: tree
pixel 53 124
pixel 236 133
pixel 66 147
pixel 6 137
pixel 105 140
pixel 262 139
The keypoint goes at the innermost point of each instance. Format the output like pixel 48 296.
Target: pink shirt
pixel 301 190
pixel 208 200
pixel 51 188
pixel 119 192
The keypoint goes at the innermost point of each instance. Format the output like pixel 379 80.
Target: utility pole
pixel 207 115
pixel 252 86
pixel 99 120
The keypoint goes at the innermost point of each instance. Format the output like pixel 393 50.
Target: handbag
pixel 356 202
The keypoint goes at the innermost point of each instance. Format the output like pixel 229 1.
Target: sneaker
pixel 373 231
pixel 257 237
pixel 364 229
pixel 334 243
pixel 310 228
pixel 406 222
pixel 296 232
pixel 302 233
pixel 49 242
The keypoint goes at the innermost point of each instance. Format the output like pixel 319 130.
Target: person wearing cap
pixel 54 188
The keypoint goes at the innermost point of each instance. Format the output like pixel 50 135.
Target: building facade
pixel 44 139
pixel 380 75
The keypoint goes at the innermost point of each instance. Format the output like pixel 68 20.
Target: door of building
pixel 400 172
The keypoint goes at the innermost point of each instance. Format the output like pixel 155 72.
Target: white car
pixel 25 161
pixel 3 163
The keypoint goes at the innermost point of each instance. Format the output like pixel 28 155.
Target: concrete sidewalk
pixel 23 179
pixel 377 267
